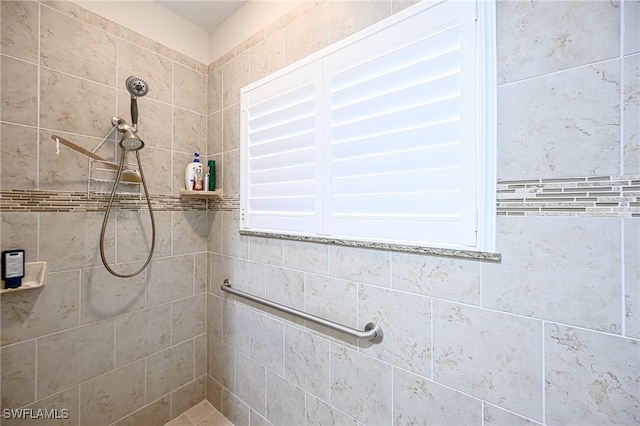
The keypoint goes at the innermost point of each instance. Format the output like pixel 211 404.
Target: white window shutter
pixel 400 132
pixel 281 153
pixel 382 137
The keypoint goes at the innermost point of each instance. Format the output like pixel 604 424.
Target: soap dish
pixel 34 273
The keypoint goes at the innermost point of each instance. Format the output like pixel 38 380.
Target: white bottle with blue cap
pixel 193 170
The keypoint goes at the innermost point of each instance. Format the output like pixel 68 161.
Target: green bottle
pixel 212 175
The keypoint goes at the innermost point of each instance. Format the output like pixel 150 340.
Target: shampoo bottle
pixel 193 170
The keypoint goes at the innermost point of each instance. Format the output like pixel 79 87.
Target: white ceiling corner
pixel 206 14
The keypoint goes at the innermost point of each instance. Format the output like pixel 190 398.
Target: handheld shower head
pixel 136 87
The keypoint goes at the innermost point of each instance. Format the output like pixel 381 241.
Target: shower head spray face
pixel 130 141
pixel 137 87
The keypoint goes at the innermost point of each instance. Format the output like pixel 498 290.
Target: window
pixel 387 136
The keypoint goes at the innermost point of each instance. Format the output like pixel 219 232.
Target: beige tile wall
pixel 549 335
pixel 110 350
pixel 467 342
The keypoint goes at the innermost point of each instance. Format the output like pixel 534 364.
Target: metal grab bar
pixel 372 331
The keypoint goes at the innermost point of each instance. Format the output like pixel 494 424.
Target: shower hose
pixel 106 219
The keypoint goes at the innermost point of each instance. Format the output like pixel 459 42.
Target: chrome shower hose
pixel 106 219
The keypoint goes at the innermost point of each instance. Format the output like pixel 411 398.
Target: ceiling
pixel 206 14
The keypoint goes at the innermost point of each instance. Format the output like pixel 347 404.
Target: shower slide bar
pixel 372 331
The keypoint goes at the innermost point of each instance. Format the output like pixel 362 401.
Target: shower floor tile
pixel 203 414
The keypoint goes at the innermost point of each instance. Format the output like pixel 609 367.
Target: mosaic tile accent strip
pixel 227 203
pixel 51 201
pixel 606 196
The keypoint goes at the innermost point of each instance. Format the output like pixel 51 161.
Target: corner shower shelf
pixel 201 194
pixel 34 273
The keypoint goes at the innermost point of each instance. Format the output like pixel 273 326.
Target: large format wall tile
pixel 168 370
pixel 544 122
pixel 236 411
pixel 320 413
pixel 30 314
pixel 20 229
pixel 19 100
pixel 361 15
pixel 406 323
pixel 307 35
pixel 19 29
pixel 188 318
pixel 155 414
pixel 235 75
pixel 250 277
pixel 285 287
pixel 236 320
pixel 457 280
pixel 312 373
pixel 105 295
pixel 630 114
pixel 142 333
pixel 559 269
pixel 360 386
pixel 632 276
pixel 169 279
pixel 189 132
pixel 285 401
pixel 221 268
pixel 591 378
pixel 251 383
pixel 66 247
pixel 18 159
pixel 500 365
pixel 308 257
pixel 266 250
pixel 214 133
pixel 190 89
pixel 319 289
pixel 214 91
pixel 539 37
pixel 112 396
pixel 631 26
pixel 360 265
pixel 417 400
pixel 68 399
pixel 231 172
pixel 267 342
pixel 201 355
pixel 233 244
pixel 267 56
pixel 134 235
pixel 71 357
pixel 156 166
pixel 231 127
pixel 94 58
pixel 18 384
pixel 494 416
pixel 188 396
pixel 189 232
pixel 214 316
pixel 222 363
pixel 75 105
